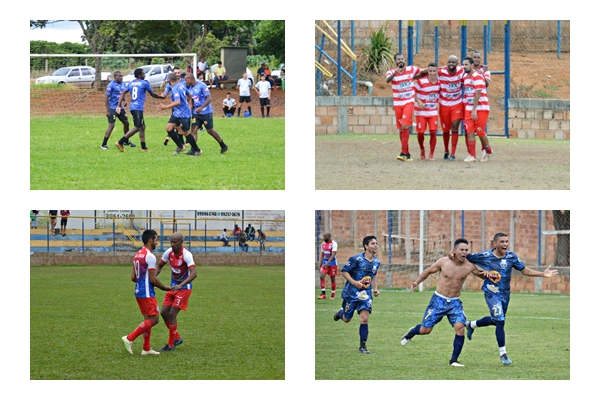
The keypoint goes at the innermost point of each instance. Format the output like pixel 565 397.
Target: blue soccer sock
pixel 459 341
pixel 414 331
pixel 363 332
pixel 485 321
pixel 500 336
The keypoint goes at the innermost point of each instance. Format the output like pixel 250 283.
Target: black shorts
pixel 245 99
pixel 184 123
pixel 122 116
pixel 205 119
pixel 138 119
pixel 264 101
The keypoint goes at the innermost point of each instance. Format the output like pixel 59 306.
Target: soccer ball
pixel 366 281
pixel 246 114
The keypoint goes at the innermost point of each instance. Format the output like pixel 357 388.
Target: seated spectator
pixel 262 239
pixel 236 231
pixel 229 106
pixel 220 74
pixel 250 232
pixel 210 77
pixel 269 78
pixel 223 238
pixel 242 242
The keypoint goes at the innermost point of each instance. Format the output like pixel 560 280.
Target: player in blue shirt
pixel 499 262
pixel 180 117
pixel 111 99
pixel 202 110
pixel 137 88
pixel 360 287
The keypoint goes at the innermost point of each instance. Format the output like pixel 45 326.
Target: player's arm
pixel 133 274
pixel 159 266
pixel 154 280
pixel 121 97
pixel 389 78
pixel 354 283
pixel 191 276
pixel 475 103
pixel 106 98
pixel 475 270
pixel 331 257
pixel 435 267
pixel 170 105
pixel 547 273
pixel 375 289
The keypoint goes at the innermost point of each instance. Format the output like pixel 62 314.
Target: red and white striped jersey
pixel 450 86
pixel 402 85
pixel 472 84
pixel 486 74
pixel 429 94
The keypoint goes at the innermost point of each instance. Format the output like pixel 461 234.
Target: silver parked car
pixel 155 74
pixel 81 76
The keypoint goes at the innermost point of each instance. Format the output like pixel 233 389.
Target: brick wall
pixel 539 119
pixel 93 258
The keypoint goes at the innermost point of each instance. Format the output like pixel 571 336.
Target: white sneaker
pixel 150 353
pixel 404 342
pixel 128 344
pixel 485 157
pixel 470 158
pixel 456 364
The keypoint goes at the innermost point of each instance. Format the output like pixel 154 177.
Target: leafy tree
pixel 270 38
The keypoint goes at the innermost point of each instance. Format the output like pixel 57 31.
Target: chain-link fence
pixel 411 237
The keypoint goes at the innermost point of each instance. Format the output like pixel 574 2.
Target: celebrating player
pixel 177 71
pixel 402 91
pixel 477 110
pixel 499 263
pixel 329 265
pixel 446 299
pixel 451 106
pixel 427 91
pixel 143 274
pixel 138 88
pixel 113 91
pixel 183 272
pixel 360 287
pixel 202 110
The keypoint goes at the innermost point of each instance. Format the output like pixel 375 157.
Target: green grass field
pixel 233 328
pixel 65 154
pixel 537 340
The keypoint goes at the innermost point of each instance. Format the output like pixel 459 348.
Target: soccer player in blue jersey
pixel 361 286
pixel 183 272
pixel 180 117
pixel 137 88
pixel 499 263
pixel 202 110
pixel 144 276
pixel 111 98
pixel 446 299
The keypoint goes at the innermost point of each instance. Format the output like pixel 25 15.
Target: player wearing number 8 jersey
pixel 477 110
pixel 183 272
pixel 403 94
pixel 427 91
pixel 144 276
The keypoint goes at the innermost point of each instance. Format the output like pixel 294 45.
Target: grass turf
pixel 65 154
pixel 233 328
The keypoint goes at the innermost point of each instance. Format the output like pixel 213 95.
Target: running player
pixel 143 274
pixel 499 263
pixel 202 110
pixel 138 88
pixel 183 272
pixel 477 110
pixel 427 97
pixel 446 298
pixel 401 79
pixel 361 285
pixel 113 91
pixel 329 265
pixel 451 106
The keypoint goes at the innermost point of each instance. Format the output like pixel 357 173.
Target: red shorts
pixel 449 114
pixel 178 299
pixel 148 305
pixel 476 126
pixel 404 115
pixel 424 121
pixel 331 270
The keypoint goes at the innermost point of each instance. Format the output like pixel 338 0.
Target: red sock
pixel 421 140
pixel 446 137
pixel 169 328
pixel 146 336
pixel 404 135
pixel 172 334
pixel 143 327
pixel 472 147
pixel 333 286
pixel 432 142
pixel 454 142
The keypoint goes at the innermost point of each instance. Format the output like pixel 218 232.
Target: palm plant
pixel 380 55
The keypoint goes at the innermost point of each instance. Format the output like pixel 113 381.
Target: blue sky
pixel 59 32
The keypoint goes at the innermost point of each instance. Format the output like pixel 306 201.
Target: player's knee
pixel 425 331
pixel 154 319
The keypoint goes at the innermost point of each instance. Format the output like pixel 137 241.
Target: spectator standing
pixel 262 239
pixel 34 215
pixel 64 217
pixel 244 85
pixel 263 88
pixel 53 214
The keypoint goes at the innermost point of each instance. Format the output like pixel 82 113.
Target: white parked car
pixel 155 74
pixel 276 75
pixel 81 76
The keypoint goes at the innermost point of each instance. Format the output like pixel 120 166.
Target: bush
pixel 380 55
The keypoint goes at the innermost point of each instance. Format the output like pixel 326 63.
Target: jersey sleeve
pixel 334 246
pixel 165 256
pixel 517 263
pixel 151 260
pixel 189 259
pixel 479 259
pixel 350 265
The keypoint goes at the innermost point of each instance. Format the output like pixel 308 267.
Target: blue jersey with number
pixel 502 267
pixel 358 267
pixel 199 93
pixel 182 110
pixel 144 261
pixel 137 89
pixel 113 91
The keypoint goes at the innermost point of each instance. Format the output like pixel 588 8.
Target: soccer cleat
pixel 178 150
pixel 431 157
pixel 150 352
pixel 485 157
pixel 401 157
pixel 469 330
pixel 224 149
pixel 322 296
pixel 470 158
pixel 120 147
pixel 408 158
pixel 128 344
pixel 130 144
pixel 332 296
pixel 422 154
pixel 505 360
pixel 177 342
pixel 145 150
pixel 456 364
pixel 446 155
pixel 104 147
pixel 166 142
pixel 338 315
pixel 364 350
pixel 405 340
pixel 452 158
pixel 166 348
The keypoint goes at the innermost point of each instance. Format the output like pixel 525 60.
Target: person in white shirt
pixel 244 85
pixel 263 88
pixel 229 105
pixel 223 238
pixel 202 67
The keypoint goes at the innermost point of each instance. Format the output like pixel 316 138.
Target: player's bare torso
pixel 452 276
